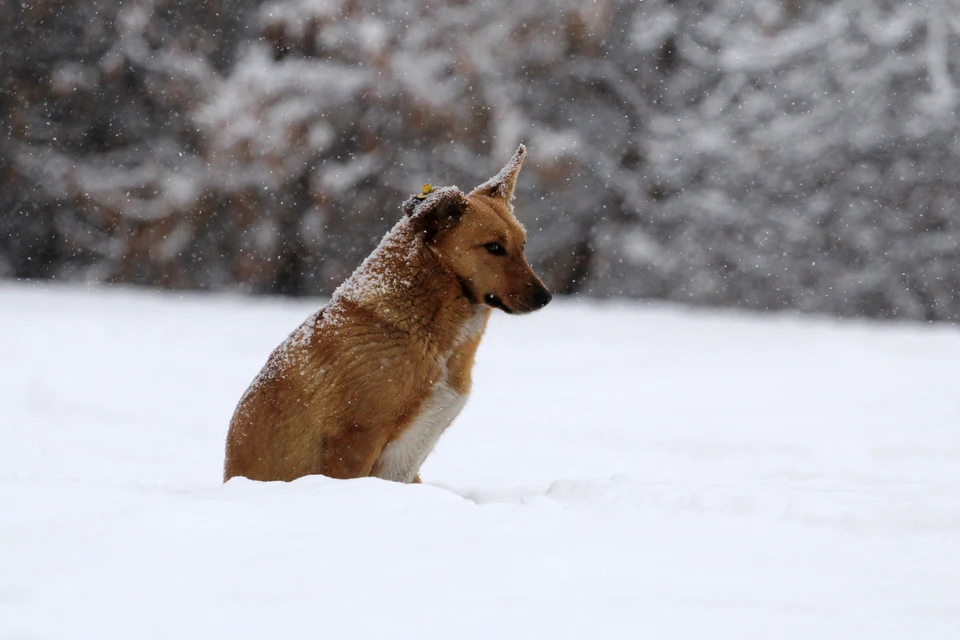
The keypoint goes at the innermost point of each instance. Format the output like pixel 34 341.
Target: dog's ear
pixel 502 184
pixel 439 211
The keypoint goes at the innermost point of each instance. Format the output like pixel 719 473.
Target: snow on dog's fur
pixel 367 385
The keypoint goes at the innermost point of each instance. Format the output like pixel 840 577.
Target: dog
pixel 366 386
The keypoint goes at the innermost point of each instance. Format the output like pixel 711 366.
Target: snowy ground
pixel 620 472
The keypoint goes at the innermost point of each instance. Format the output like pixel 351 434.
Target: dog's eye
pixel 495 248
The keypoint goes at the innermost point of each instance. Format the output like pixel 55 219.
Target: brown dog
pixel 366 385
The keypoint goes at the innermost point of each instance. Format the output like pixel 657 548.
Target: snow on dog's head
pixel 478 238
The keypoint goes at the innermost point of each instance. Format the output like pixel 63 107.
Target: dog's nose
pixel 541 297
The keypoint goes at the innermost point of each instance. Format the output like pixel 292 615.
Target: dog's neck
pixel 406 285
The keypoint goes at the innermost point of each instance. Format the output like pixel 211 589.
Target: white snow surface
pixel 621 471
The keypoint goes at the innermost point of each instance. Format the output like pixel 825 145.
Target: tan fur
pixel 393 350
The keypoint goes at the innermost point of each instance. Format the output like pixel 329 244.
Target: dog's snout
pixel 541 298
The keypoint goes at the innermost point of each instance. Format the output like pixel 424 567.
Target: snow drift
pixel 620 471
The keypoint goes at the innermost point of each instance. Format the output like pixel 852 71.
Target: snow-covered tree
pixel 771 154
pixel 793 154
pixel 98 154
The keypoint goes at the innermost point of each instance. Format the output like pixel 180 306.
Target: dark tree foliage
pixel 96 135
pixel 775 154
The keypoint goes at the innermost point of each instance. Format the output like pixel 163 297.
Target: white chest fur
pixel 402 458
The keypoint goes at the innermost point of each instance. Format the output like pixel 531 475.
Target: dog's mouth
pixel 494 301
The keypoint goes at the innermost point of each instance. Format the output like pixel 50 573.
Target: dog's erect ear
pixel 440 210
pixel 502 184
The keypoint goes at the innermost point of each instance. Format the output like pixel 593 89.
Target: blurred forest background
pixel 767 154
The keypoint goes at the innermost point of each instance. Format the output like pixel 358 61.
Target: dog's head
pixel 478 238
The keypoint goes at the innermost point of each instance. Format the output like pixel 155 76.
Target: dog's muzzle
pixel 540 299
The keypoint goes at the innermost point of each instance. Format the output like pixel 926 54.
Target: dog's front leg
pixel 350 454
